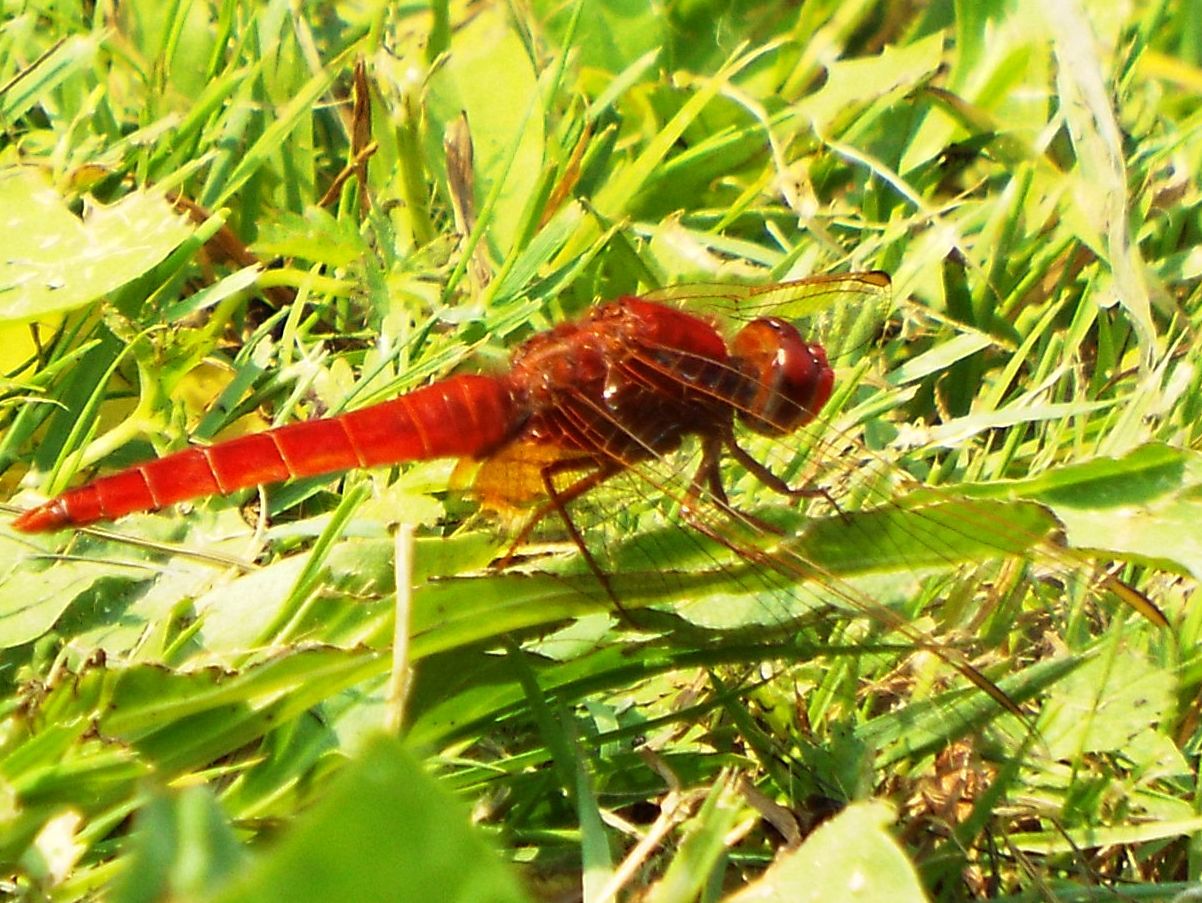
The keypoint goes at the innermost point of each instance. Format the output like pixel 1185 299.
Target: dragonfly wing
pixel 844 310
pixel 793 300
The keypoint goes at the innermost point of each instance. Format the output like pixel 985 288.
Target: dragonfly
pixel 579 405
pixel 627 382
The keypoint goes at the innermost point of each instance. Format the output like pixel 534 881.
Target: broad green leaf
pixel 182 847
pixel 1101 707
pixel 54 261
pixel 35 597
pixel 851 857
pixel 105 591
pixel 410 838
pixel 853 83
pixel 235 613
pixel 1143 504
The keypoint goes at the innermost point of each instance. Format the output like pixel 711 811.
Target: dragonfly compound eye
pixel 787 380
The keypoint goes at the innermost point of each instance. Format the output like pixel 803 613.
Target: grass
pixel 222 217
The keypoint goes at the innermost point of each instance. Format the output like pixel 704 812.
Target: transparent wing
pixel 845 309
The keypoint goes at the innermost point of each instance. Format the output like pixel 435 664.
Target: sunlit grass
pixel 272 231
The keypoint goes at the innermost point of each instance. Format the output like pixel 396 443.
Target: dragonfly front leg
pixel 772 481
pixel 708 479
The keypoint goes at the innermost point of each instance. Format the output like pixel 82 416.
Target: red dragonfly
pixel 588 399
pixel 626 383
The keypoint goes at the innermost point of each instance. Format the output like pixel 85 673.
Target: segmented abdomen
pixel 459 416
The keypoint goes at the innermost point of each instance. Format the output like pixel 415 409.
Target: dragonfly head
pixel 788 380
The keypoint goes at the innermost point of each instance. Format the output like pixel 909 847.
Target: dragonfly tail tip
pixel 41 519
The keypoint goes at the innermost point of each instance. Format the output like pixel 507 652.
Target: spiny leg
pixel 708 477
pixel 547 473
pixel 772 481
pixel 558 501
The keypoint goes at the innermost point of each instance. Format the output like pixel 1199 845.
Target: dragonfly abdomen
pixel 459 416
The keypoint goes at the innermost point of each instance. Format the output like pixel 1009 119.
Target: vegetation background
pixel 223 215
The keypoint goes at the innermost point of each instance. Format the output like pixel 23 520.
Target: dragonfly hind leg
pixel 558 501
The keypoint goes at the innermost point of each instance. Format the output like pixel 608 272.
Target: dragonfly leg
pixel 565 496
pixel 709 478
pixel 775 483
pixel 558 501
